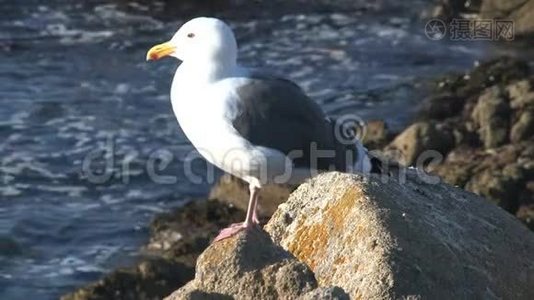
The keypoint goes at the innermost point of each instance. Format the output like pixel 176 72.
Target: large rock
pixel 392 239
pixel 248 266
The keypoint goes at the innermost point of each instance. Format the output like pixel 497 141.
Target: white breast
pixel 204 113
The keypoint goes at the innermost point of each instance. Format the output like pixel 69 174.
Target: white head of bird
pixel 199 41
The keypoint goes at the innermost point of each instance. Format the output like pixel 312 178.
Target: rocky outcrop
pixel 345 235
pixel 405 239
pixel 502 176
pixel 481 124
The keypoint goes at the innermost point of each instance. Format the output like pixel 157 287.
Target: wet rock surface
pixel 405 238
pixel 151 279
pixel 177 239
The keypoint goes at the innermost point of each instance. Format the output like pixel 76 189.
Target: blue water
pixel 74 86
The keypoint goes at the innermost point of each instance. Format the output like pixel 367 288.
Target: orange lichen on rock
pixel 336 213
pixel 310 241
pixel 309 244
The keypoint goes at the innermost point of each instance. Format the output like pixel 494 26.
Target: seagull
pixel 251 124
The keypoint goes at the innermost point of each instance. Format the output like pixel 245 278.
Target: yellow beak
pixel 159 51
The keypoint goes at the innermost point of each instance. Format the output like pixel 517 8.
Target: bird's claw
pixel 233 229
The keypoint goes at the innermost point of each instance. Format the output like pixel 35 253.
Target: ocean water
pixel 82 115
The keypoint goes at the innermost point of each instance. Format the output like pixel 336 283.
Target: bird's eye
pixel 191 35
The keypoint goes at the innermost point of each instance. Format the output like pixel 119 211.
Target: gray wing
pixel 275 113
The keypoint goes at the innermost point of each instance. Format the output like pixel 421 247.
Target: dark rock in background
pixel 524 126
pixel 376 134
pixel 519 11
pixel 177 239
pixel 408 147
pixel 441 106
pixel 152 279
pixel 447 9
pixel 492 150
pixel 491 117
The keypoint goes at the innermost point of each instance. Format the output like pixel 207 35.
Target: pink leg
pixel 255 216
pixel 250 220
